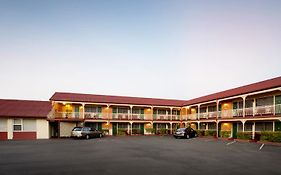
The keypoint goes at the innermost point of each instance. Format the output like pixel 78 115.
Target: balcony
pixel 66 115
pixel 161 117
pixel 97 116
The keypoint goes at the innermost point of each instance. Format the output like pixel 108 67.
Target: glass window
pixel 162 111
pixel 212 108
pixel 122 125
pixel 122 110
pixel 17 125
pixel 266 101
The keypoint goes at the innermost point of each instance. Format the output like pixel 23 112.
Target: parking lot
pixel 138 155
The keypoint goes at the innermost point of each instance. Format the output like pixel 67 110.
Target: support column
pixel 244 105
pixel 83 110
pixel 207 111
pixel 254 107
pixel 207 126
pixel 171 128
pixel 253 130
pixel 273 105
pixel 171 114
pixel 107 112
pixel 198 125
pixel 217 128
pixel 131 129
pixel 273 126
pixel 131 112
pixel 218 102
pixel 243 125
pixel 198 117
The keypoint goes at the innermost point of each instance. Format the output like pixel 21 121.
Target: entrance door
pixel 54 129
pixel 76 110
pixel 114 129
pixel 142 129
pixel 234 130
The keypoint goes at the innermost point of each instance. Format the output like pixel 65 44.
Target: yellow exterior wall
pixel 193 110
pixel 148 113
pixel 226 106
pixel 147 126
pixel 226 126
pixel 193 126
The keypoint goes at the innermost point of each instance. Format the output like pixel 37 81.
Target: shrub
pixel 244 135
pixel 136 131
pixel 122 132
pixel 163 131
pixel 150 130
pixel 200 132
pixel 225 134
pixel 105 131
pixel 271 136
pixel 210 133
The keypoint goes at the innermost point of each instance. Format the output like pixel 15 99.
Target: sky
pixel 147 48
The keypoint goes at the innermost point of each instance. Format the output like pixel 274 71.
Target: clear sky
pixel 150 48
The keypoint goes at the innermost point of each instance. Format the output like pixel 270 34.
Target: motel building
pixel 252 108
pixel 24 119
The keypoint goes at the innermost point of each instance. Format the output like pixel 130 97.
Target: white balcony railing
pixel 67 115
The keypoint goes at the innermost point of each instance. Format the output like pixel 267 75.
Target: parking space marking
pixel 261 146
pixel 231 142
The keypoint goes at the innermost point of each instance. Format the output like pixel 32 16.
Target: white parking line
pixel 231 142
pixel 261 146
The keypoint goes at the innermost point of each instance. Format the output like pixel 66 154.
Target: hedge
pixel 271 136
pixel 200 132
pixel 210 133
pixel 225 134
pixel 150 130
pixel 122 131
pixel 244 135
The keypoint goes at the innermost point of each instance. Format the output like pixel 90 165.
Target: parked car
pixel 185 133
pixel 85 132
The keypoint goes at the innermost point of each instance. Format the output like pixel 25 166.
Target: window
pixel 212 108
pixel 17 124
pixel 162 111
pixel 264 101
pixel 122 125
pixel 94 109
pixel 264 126
pixel 176 112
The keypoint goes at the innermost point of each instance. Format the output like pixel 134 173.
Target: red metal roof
pixel 259 86
pixel 74 97
pixel 24 108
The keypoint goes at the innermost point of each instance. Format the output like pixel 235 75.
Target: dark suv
pixel 185 133
pixel 85 132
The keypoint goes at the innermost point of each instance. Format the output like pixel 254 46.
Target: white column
pixel 244 105
pixel 198 124
pixel 131 129
pixel 207 126
pixel 207 111
pixel 243 126
pixel 217 128
pixel 253 130
pixel 274 105
pixel 171 113
pixel 218 108
pixel 198 112
pixel 171 128
pixel 83 110
pixel 273 126
pixel 131 112
pixel 254 107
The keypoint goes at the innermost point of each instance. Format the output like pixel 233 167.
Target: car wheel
pixel 195 135
pixel 87 137
pixel 100 135
pixel 187 136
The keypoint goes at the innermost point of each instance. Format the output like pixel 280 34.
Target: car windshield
pixel 77 129
pixel 181 129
